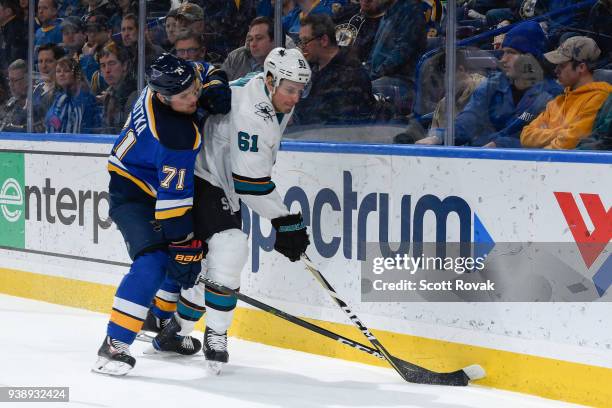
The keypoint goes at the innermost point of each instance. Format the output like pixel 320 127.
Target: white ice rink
pixel 49 345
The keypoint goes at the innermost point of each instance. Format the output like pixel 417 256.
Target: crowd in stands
pixel 529 73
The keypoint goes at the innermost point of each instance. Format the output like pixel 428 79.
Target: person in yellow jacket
pixel 570 116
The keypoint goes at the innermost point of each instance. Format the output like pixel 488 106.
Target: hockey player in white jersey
pixel 236 165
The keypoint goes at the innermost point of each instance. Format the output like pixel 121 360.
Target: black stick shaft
pixel 293 319
pixel 356 321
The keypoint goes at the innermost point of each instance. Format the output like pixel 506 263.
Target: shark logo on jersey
pixel 265 110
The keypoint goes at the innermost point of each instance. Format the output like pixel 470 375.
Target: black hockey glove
pixel 216 96
pixel 184 264
pixel 291 236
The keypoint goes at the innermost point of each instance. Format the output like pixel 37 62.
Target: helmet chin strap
pixel 269 92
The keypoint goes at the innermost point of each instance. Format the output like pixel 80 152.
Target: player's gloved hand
pixel 291 236
pixel 184 263
pixel 216 96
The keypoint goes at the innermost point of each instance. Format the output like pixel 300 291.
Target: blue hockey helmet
pixel 170 75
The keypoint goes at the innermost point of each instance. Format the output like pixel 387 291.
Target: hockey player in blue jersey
pixel 151 196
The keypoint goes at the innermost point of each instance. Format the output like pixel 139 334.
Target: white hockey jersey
pixel 240 149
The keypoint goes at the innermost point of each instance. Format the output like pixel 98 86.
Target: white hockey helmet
pixel 289 64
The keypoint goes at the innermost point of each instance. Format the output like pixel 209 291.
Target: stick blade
pixel 459 378
pixel 475 372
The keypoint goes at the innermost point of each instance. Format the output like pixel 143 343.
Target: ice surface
pixel 43 344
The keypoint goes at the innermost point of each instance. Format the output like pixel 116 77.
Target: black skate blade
pixel 105 366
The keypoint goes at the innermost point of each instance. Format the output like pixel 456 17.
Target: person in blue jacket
pixel 74 108
pixel 504 103
pixel 303 8
pixel 50 30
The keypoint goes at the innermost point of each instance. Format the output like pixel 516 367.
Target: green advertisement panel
pixel 12 200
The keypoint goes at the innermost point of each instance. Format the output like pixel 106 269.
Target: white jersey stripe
pixel 167 296
pixel 130 308
pixel 168 204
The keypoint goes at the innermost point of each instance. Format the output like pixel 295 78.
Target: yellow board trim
pixel 545 377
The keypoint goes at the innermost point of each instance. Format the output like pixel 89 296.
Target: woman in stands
pixel 74 108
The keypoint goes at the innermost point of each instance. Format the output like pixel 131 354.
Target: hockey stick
pixel 148 338
pixel 409 372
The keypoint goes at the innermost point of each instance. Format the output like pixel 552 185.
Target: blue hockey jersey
pixel 156 151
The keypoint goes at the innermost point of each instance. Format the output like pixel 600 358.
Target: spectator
pixel 44 91
pixel 505 102
pixel 190 17
pixel 98 34
pixel 24 6
pixel 13 114
pixel 467 82
pixel 171 26
pixel 250 57
pixel 74 108
pixel 121 92
pixel 190 46
pixel 13 34
pixel 265 8
pixel 600 21
pixel 433 12
pixel 74 8
pixel 570 116
pixel 398 45
pixel 129 37
pixel 125 7
pixel 50 31
pixel 601 136
pixel 229 21
pixel 358 24
pixel 98 7
pixel 73 36
pixel 341 90
pixel 304 8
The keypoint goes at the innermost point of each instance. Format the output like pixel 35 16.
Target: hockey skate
pixel 152 324
pixel 114 358
pixel 215 350
pixel 169 340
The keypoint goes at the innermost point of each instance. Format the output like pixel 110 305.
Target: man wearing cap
pixel 73 36
pixel 50 31
pixel 504 103
pixel 98 34
pixel 570 116
pixel 191 17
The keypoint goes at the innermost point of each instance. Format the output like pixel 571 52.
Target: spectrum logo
pixel 590 243
pixel 358 212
